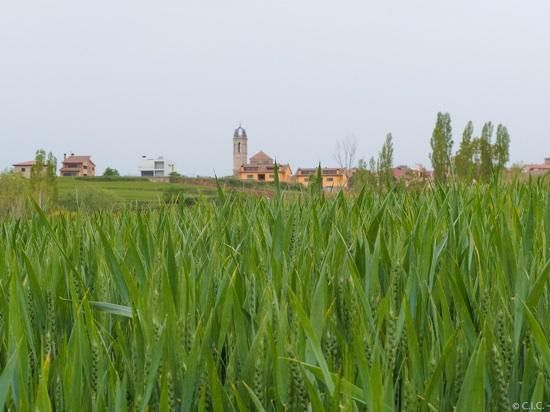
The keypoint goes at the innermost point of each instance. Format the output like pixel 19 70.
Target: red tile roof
pixel 261 158
pixel 78 159
pixel 542 166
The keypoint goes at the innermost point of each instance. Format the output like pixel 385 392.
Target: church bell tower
pixel 240 151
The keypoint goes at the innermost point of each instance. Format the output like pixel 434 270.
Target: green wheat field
pixel 434 299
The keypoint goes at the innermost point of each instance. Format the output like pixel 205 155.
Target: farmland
pixel 423 300
pixel 125 190
pixel 97 193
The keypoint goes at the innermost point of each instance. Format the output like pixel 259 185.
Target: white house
pixel 159 167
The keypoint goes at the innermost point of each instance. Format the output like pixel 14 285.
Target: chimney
pixel 72 154
pixel 64 156
pixel 547 161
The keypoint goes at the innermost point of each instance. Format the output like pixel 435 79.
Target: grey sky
pixel 118 79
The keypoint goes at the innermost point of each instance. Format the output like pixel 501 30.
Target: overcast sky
pixel 121 79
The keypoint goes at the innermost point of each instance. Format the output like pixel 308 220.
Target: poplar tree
pixel 43 174
pixel 501 148
pixel 386 159
pixel 464 158
pixel 442 144
pixel 486 152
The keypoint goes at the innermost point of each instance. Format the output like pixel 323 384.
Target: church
pixel 260 167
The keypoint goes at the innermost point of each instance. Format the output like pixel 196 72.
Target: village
pixel 373 236
pixel 259 167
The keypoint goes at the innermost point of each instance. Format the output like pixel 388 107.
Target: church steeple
pixel 239 132
pixel 240 149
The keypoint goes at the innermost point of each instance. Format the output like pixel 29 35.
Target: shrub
pixel 14 193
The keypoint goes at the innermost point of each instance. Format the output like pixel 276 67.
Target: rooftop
pixel 325 171
pixel 78 159
pixel 260 168
pixel 541 166
pixel 261 158
pixel 28 163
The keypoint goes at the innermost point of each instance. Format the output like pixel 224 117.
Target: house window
pixel 250 177
pixel 239 147
pixel 85 166
pixel 271 176
pixel 23 169
pixel 330 179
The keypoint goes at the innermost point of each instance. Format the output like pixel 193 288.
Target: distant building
pixel 159 167
pixel 401 172
pixel 77 166
pixel 260 167
pixel 538 169
pixel 24 168
pixel 332 177
pixel 410 175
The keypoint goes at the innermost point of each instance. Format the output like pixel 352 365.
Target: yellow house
pixel 332 177
pixel 261 168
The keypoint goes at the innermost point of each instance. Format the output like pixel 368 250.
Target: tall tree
pixel 372 165
pixel 43 177
pixel 360 178
pixel 442 144
pixel 501 148
pixel 346 149
pixel 464 158
pixel 386 159
pixel 486 152
pixel 373 169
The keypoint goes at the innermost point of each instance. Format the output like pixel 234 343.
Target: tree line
pixel 478 159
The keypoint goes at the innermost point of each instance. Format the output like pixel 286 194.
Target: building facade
pixel 77 166
pixel 24 168
pixel 159 167
pixel 333 178
pixel 261 168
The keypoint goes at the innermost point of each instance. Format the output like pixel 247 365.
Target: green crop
pixel 432 300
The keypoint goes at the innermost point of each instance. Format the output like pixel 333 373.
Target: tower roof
pixel 239 132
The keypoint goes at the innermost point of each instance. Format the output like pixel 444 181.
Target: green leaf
pixel 6 379
pixel 113 309
pixel 472 395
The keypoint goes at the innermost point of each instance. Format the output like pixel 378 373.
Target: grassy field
pixel 131 190
pixel 431 300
